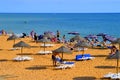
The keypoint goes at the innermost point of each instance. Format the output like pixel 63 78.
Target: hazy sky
pixel 59 6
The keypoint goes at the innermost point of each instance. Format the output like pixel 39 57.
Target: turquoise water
pixel 84 23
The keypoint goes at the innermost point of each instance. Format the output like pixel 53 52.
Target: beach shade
pixel 44 40
pixel 91 36
pixel 49 35
pixel 77 38
pixel 117 57
pixel 13 37
pixel 101 34
pixel 82 45
pixel 117 41
pixel 62 50
pixel 74 33
pixel 110 38
pixel 21 44
pixel 49 32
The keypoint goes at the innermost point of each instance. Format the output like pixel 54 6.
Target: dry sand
pixel 40 68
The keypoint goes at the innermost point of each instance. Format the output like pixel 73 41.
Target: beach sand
pixel 40 68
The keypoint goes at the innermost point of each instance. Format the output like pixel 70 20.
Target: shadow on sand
pixel 3 60
pixel 38 67
pixel 99 55
pixel 85 78
pixel 24 54
pixel 105 67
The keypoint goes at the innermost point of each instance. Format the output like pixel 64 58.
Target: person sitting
pixel 113 50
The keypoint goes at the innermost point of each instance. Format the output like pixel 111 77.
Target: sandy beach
pixel 41 68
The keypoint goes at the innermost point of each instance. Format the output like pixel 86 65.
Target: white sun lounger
pixel 47 45
pixel 44 52
pixel 64 64
pixel 15 48
pixel 22 58
pixel 112 75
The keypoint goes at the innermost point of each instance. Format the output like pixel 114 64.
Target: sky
pixel 59 6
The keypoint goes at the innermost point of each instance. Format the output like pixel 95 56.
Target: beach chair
pixel 64 64
pixel 113 76
pixel 83 57
pixel 80 57
pixel 22 58
pixel 44 52
pixel 88 56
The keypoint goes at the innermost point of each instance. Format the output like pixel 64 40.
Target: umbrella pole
pixel 44 46
pixel 21 50
pixel 62 56
pixel 119 46
pixel 117 66
pixel 83 51
pixel 14 41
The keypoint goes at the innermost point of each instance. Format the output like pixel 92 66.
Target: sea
pixel 84 23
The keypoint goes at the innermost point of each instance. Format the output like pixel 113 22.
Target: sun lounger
pixel 88 56
pixel 44 52
pixel 22 58
pixel 83 57
pixel 80 49
pixel 113 76
pixel 15 48
pixel 64 64
pixel 47 45
pixel 116 76
pixel 109 75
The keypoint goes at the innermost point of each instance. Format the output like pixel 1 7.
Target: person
pixel 32 34
pixel 23 35
pixel 35 37
pixel 54 57
pixel 58 34
pixel 63 39
pixel 3 32
pixel 113 50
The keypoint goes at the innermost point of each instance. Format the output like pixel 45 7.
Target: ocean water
pixel 84 23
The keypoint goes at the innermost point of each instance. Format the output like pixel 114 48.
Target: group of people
pixel 56 37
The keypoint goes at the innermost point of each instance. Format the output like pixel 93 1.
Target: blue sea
pixel 84 23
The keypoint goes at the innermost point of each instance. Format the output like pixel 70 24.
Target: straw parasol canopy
pixel 21 44
pixel 116 56
pixel 77 38
pixel 13 37
pixel 91 36
pixel 82 44
pixel 62 50
pixel 117 41
pixel 44 40
pixel 49 34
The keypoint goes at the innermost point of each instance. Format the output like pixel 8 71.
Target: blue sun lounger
pixel 83 57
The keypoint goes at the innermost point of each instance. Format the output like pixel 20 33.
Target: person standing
pixel 58 34
pixel 35 37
